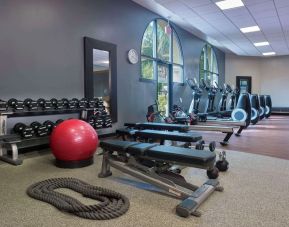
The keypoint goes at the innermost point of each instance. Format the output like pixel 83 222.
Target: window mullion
pixel 155 46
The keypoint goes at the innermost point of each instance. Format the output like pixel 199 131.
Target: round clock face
pixel 133 56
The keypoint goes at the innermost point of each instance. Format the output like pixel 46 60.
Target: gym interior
pixel 144 113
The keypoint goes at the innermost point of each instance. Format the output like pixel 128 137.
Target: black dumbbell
pixel 12 103
pixel 213 173
pixel 65 103
pixel 30 104
pixel 39 129
pixel 60 104
pixel 15 104
pixel 23 130
pixel 91 120
pixel 58 121
pixel 96 111
pixel 99 122
pixel 91 103
pixel 74 103
pixel 49 125
pixel 222 164
pixel 99 103
pixel 3 105
pixel 83 103
pixel 44 104
pixel 54 103
pixel 200 145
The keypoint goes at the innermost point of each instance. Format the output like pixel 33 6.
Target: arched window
pixel 161 55
pixel 208 64
pixel 161 44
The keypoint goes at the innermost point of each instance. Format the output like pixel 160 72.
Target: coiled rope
pixel 112 204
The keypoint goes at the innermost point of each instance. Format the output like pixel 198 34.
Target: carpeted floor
pixel 256 194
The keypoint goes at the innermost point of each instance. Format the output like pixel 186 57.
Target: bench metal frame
pixel 192 195
pixel 13 159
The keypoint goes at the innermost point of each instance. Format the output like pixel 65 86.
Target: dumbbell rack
pixel 11 141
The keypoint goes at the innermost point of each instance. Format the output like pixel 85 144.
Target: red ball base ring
pixel 73 164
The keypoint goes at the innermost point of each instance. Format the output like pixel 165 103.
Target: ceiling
pixel 206 20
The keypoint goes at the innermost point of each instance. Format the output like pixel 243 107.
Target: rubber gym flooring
pixel 256 189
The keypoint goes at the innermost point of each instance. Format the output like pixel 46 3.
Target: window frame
pixel 155 58
pixel 206 70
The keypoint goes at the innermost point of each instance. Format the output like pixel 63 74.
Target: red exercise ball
pixel 73 143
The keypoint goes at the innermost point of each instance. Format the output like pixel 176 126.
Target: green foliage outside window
pixel 159 45
pixel 147 68
pixel 163 41
pixel 160 50
pixel 148 41
pixel 208 64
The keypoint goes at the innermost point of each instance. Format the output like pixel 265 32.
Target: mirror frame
pixel 89 45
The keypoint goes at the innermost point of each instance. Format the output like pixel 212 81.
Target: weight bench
pixel 10 142
pixel 158 126
pixel 123 132
pixel 151 163
pixel 229 131
pixel 188 137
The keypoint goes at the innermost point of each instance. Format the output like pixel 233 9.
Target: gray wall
pixel 269 75
pixel 41 50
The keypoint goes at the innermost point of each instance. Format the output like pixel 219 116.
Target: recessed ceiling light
pixel 229 4
pixel 250 29
pixel 269 53
pixel 261 44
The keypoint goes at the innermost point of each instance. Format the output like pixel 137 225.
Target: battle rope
pixel 112 204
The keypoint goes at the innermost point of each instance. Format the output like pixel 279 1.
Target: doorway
pixel 244 84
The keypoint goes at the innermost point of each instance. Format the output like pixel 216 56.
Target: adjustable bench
pixel 152 162
pixel 126 132
pixel 163 126
pixel 229 131
pixel 189 137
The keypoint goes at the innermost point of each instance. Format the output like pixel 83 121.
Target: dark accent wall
pixel 41 50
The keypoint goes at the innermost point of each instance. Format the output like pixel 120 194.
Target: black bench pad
pixel 182 155
pixel 130 125
pixel 126 131
pixel 162 126
pixel 168 135
pixel 116 145
pixel 140 149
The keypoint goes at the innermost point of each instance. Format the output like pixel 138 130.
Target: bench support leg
pixel 226 139
pixel 105 166
pixel 190 205
pixel 240 131
pixel 6 158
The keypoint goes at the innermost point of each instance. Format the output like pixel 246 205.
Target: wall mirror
pixel 100 73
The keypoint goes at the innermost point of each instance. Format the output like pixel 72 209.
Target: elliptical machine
pixel 197 94
pixel 268 104
pixel 255 106
pixel 224 95
pixel 262 107
pixel 212 91
pixel 233 98
pixel 242 111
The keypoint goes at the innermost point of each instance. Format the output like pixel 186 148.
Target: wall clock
pixel 132 56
